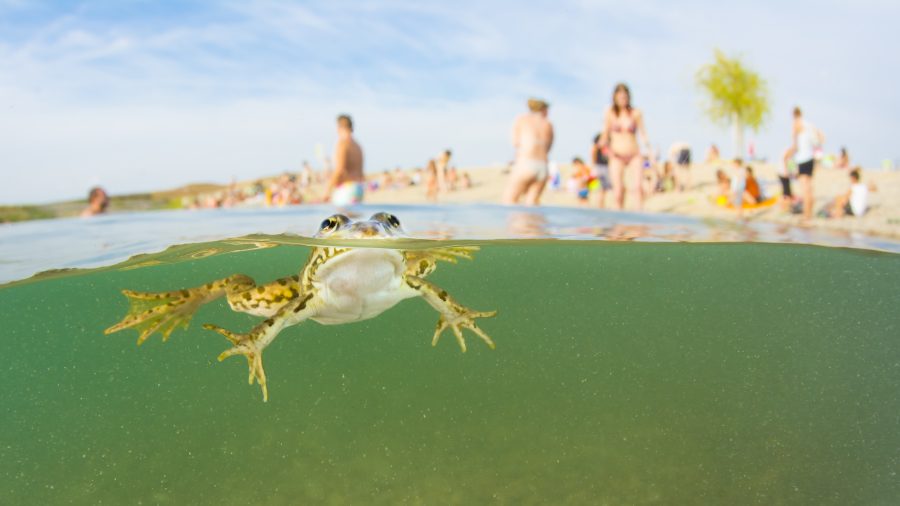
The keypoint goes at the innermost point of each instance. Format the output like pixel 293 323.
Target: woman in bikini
pixel 532 137
pixel 621 124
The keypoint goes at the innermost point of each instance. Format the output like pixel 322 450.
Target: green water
pixel 623 374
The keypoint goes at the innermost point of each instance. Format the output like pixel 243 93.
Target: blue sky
pixel 148 95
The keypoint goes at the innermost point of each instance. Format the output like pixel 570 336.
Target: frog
pixel 338 284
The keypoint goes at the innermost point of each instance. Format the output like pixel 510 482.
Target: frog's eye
pixel 327 224
pixel 386 218
pixel 332 222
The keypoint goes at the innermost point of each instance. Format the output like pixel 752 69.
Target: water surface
pixel 31 247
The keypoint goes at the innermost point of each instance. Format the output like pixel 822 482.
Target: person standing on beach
pixel 621 124
pixel 680 157
pixel 805 138
pixel 785 174
pixel 347 183
pixel 601 168
pixel 431 181
pixel 443 167
pixel 532 137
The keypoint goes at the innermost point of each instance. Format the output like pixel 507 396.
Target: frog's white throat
pixel 362 270
pixel 358 284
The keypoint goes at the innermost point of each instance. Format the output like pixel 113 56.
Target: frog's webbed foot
pixel 245 345
pixel 252 344
pixel 423 262
pixel 463 320
pixel 163 312
pixel 450 254
pixel 453 314
pixel 158 312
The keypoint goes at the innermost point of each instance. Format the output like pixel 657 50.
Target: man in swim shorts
pixel 347 183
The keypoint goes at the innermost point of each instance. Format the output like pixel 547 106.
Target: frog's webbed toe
pixel 252 344
pixel 245 345
pixel 463 320
pixel 453 314
pixel 163 312
pixel 450 254
pixel 157 312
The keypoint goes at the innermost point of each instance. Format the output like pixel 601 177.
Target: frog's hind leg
pixel 453 314
pixel 163 312
pixel 252 344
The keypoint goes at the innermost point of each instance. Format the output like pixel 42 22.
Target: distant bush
pixel 9 214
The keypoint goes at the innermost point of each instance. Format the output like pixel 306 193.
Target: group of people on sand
pixel 617 166
pixel 437 177
pixel 614 153
pixel 739 188
pixel 441 177
pixel 347 183
pixel 673 175
pixel 343 178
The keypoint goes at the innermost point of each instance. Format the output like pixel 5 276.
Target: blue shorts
pixel 347 194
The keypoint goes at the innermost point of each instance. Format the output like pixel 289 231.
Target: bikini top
pixel 631 128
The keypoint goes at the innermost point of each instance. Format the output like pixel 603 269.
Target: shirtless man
pixel 347 184
pixel 532 137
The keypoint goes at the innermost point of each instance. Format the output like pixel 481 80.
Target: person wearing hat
pixel 532 138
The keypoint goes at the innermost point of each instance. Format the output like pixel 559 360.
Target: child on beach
pixel 788 168
pixel 600 157
pixel 752 191
pixel 738 184
pixel 855 201
pixel 581 179
pixel 723 186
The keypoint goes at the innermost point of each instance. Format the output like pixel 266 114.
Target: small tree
pixel 736 96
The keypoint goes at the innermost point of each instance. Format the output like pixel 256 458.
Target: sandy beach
pixel 488 184
pixel 882 219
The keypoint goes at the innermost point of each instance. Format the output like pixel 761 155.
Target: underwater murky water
pixel 625 373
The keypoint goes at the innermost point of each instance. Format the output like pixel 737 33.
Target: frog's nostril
pixel 369 231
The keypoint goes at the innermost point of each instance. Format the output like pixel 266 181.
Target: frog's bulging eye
pixel 386 218
pixel 332 222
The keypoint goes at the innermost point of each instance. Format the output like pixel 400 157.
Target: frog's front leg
pixel 453 314
pixel 252 344
pixel 265 300
pixel 163 312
